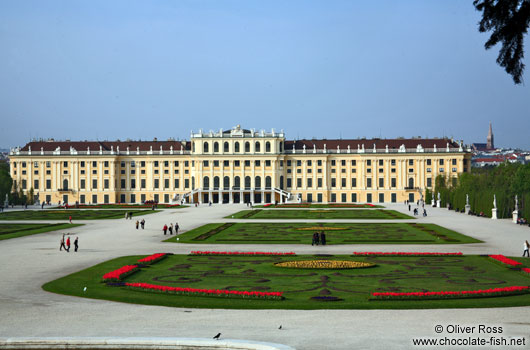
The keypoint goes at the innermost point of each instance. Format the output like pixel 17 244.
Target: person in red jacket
pixel 165 229
pixel 68 244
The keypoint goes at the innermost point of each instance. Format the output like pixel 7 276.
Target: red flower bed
pixel 513 290
pixel 404 254
pixel 267 205
pixel 505 260
pixel 205 292
pixel 120 273
pixel 525 269
pixel 151 259
pixel 198 252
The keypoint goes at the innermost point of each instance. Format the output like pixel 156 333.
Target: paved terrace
pixel 29 262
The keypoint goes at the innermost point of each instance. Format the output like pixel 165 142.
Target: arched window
pixel 268 182
pixel 281 182
pixel 216 147
pixel 237 182
pixel 226 147
pixel 247 147
pixel 247 183
pixel 206 182
pixel 205 147
pixel 226 183
pixel 267 146
pixel 411 183
pixel 236 147
pixel 65 184
pixel 257 147
pixel 257 182
pixel 216 182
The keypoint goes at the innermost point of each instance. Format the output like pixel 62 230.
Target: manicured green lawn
pixel 19 230
pixel 319 214
pixel 65 213
pixel 352 287
pixel 312 205
pixel 336 233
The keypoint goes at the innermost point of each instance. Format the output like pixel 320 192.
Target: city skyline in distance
pixel 108 71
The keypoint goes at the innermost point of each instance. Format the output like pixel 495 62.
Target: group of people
pixel 319 238
pixel 416 212
pixel 169 228
pixel 128 215
pixel 522 221
pixel 140 223
pixel 66 243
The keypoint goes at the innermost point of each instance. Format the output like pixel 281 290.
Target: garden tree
pixel 508 21
pixel 31 196
pixel 6 182
pixel 504 181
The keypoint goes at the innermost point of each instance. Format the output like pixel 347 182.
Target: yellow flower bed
pixel 325 264
pixel 320 228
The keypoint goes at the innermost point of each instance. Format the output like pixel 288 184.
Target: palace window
pixel 236 163
pixel 216 163
pixel 267 163
pixel 105 164
pixel 369 162
pixel 441 162
pixel 343 182
pixel 35 184
pixel 82 164
pixel 288 163
pixel 226 163
pixel 298 182
pixel 226 147
pixel 343 162
pixel 319 182
pixel 247 162
pixel 380 162
pixel 257 147
pixel 428 162
pixel 94 164
pixel 333 182
pixel 353 162
pixel 429 182
pixel 354 182
pixel 298 163
pixel 157 183
pixel 166 183
pixel 64 164
pixel 94 183
pixel 393 182
pixel 381 170
pixel 205 147
pixel 156 163
pixel 142 183
pixel 267 146
pixel 333 162
pixel 133 183
pixel 369 183
pixel 319 162
pixel 257 163
pixel 216 147
pixel 453 161
pixel 205 163
pixel 106 183
pixel 393 162
pixel 236 147
pixel 411 161
pixel 247 147
pixel 381 182
pixel 82 184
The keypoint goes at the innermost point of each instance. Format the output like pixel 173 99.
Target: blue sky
pixel 143 69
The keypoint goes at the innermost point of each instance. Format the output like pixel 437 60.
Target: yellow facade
pixel 236 166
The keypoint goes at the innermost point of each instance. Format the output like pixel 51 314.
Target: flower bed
pixel 325 264
pixel 198 252
pixel 120 273
pixel 404 254
pixel 206 292
pixel 513 290
pixel 525 269
pixel 505 260
pixel 151 259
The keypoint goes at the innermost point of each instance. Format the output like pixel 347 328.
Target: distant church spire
pixel 490 144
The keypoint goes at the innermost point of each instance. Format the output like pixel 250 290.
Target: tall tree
pixel 508 20
pixel 5 181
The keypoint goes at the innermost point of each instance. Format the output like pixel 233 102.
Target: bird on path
pixel 280 327
pixel 217 336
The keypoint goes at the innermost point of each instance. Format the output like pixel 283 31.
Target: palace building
pixel 235 166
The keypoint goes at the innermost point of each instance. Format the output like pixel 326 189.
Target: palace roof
pixel 48 146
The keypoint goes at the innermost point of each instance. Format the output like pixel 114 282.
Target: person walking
pixel 76 244
pixel 177 228
pixel 424 212
pixel 130 215
pixel 526 247
pixel 170 229
pixel 164 229
pixel 68 245
pixel 142 223
pixel 323 238
pixel 126 215
pixel 137 223
pixel 62 244
pixel 70 218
